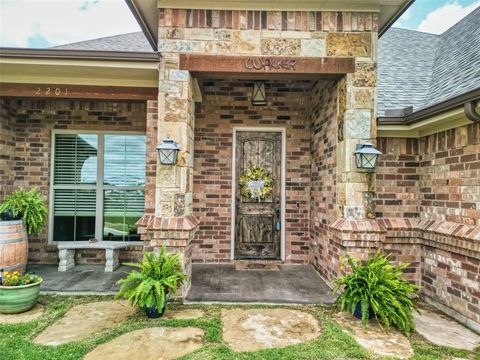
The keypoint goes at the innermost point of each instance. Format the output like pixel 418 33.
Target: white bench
pixel 66 252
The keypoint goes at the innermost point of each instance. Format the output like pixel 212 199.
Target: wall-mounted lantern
pixel 167 152
pixel 259 96
pixel 366 156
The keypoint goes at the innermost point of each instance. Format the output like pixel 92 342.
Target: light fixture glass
pixel 258 94
pixel 167 152
pixel 366 156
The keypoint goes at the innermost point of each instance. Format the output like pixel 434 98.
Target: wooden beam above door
pixel 266 67
pixel 61 91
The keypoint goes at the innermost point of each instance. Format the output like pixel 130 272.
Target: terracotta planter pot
pixel 18 299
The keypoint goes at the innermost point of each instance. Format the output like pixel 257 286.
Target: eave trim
pixel 443 106
pixel 79 54
pixel 151 36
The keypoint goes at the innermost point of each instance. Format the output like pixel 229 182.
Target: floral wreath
pixel 256 183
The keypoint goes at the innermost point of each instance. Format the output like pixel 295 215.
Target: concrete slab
pixel 292 284
pixel 441 330
pixel 83 279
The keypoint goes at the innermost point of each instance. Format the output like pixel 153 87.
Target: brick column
pixel 170 221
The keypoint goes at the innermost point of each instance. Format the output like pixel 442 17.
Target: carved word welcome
pixel 267 64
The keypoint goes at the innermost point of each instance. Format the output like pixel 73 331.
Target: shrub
pixel 26 205
pixel 378 286
pixel 159 275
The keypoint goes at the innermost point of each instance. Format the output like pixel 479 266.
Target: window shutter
pixel 72 202
pixel 75 159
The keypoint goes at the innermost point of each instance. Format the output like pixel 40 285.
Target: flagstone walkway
pixel 84 320
pixel 243 330
pixel 152 343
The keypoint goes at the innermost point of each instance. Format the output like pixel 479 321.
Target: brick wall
pixel 397 178
pixel 434 177
pixel 226 104
pixel 323 141
pixel 7 149
pixel 449 175
pixel 33 122
pixel 434 181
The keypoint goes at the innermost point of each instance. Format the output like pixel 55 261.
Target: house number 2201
pixel 47 91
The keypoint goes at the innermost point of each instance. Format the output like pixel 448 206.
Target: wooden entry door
pixel 258 223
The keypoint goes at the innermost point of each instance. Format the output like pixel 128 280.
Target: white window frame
pixel 99 186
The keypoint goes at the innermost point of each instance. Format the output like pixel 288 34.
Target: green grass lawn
pixel 16 344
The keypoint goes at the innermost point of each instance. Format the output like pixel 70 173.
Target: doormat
pixel 256 266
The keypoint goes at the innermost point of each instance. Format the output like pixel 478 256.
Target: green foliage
pixel 254 173
pixel 159 275
pixel 17 279
pixel 29 206
pixel 378 286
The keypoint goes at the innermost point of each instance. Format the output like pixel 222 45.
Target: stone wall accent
pixel 227 104
pixel 434 177
pixel 32 122
pixel 306 21
pixel 287 33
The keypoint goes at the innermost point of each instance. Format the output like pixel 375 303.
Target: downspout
pixel 470 111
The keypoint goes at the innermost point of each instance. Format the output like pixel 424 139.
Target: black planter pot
pixel 153 313
pixel 358 311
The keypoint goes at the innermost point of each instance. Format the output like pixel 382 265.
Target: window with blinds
pixel 98 186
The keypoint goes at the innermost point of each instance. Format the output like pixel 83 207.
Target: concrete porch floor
pixel 292 284
pixel 82 279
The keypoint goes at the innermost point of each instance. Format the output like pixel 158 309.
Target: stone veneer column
pixel 356 123
pixel 171 221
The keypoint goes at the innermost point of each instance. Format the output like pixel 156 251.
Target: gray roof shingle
pixel 419 69
pixel 135 42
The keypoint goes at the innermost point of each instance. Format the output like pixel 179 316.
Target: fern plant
pixel 379 287
pixel 26 205
pixel 159 275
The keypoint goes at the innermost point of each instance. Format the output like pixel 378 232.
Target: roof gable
pixel 420 69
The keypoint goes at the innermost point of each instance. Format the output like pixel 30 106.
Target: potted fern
pixel 27 206
pixel 377 289
pixel 158 278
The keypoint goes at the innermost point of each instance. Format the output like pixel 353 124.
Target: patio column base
pixel 67 259
pixel 176 233
pixel 112 262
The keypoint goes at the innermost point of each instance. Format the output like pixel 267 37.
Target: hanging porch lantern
pixel 167 152
pixel 259 97
pixel 366 156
